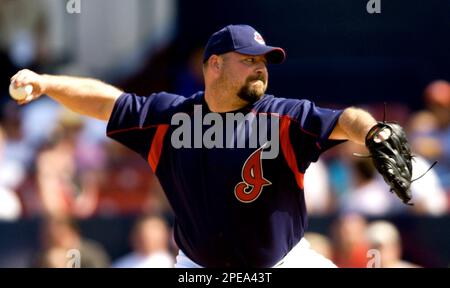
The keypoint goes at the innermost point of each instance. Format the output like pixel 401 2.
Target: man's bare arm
pixel 353 125
pixel 86 96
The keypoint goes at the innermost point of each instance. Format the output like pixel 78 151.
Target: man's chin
pixel 251 95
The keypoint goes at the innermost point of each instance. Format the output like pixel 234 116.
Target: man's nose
pixel 260 67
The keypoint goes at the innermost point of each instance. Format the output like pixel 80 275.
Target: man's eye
pixel 250 60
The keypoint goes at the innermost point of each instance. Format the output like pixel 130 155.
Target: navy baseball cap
pixel 243 39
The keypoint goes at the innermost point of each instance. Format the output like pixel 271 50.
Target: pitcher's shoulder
pixel 283 106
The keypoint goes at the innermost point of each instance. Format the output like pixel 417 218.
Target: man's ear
pixel 215 63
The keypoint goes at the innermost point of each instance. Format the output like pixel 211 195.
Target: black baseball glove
pixel 391 155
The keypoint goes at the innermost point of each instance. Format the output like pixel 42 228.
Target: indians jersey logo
pixel 253 180
pixel 258 38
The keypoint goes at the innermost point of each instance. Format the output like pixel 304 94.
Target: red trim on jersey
pixel 157 145
pixel 131 129
pixel 288 151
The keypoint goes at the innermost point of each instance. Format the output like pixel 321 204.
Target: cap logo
pixel 258 38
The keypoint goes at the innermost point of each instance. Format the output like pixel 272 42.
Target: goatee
pixel 251 94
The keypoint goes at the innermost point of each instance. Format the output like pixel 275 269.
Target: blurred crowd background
pixel 64 185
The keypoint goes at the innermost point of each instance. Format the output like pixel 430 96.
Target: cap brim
pixel 275 55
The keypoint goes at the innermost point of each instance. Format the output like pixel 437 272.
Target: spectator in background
pixel 368 195
pixel 429 130
pixel 150 242
pixel 17 153
pixel 423 127
pixel 437 99
pixel 54 258
pixel 65 191
pixel 349 239
pixel 320 243
pixel 10 206
pixel 58 236
pixel 429 196
pixel 339 172
pixel 384 237
pixel 319 200
pixel 127 187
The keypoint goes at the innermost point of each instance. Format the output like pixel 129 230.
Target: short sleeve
pixel 316 124
pixel 135 119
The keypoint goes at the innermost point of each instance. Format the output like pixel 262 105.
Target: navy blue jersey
pixel 232 206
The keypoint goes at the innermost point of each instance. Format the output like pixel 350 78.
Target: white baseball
pixel 20 93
